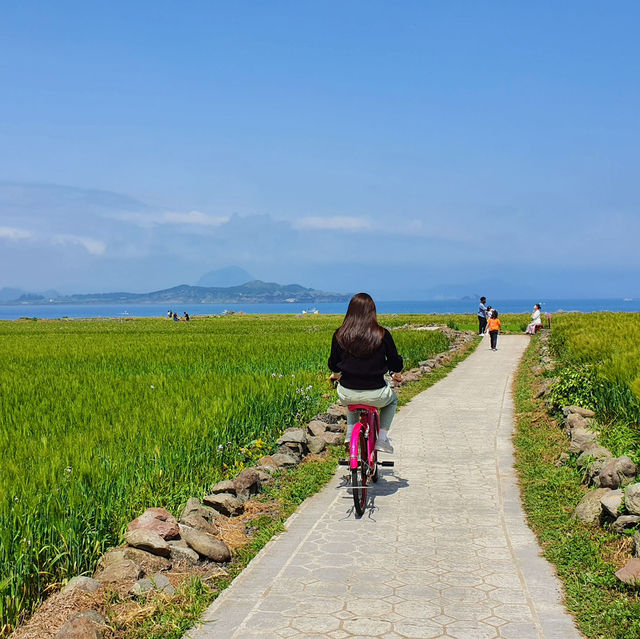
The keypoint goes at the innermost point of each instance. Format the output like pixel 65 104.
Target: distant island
pixel 254 292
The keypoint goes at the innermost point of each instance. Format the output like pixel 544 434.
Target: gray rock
pixel 337 410
pixel 294 435
pixel 289 452
pixel 589 509
pixel 579 438
pixel 225 503
pixel 198 521
pixel 591 452
pixel 316 427
pixel 332 439
pixel 86 584
pixel 284 461
pixel 611 503
pixel 592 475
pixel 338 427
pixel 545 387
pixel 125 570
pixel 630 573
pixel 624 522
pixel 226 486
pixel 195 506
pixel 182 553
pixel 88 624
pixel 618 472
pixel 267 464
pixel 147 562
pixel 636 544
pixel 291 448
pixel 573 420
pixel 206 545
pixel 578 410
pixel 157 520
pixel 247 483
pixel 326 418
pixel 315 445
pixel 149 541
pixel 632 499
pixel 157 583
pixel 264 477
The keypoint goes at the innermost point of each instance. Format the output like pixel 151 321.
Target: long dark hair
pixel 360 333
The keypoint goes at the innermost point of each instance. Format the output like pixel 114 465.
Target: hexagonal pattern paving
pixel 443 551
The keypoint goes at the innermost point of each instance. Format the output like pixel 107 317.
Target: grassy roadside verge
pixel 585 556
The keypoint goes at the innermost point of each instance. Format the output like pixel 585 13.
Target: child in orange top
pixel 493 325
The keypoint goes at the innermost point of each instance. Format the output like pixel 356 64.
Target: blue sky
pixel 408 149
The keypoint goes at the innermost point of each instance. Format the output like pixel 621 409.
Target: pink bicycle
pixel 363 456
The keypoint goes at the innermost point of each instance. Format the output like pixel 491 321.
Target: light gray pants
pixel 384 398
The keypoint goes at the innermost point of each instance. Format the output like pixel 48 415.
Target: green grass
pixel 585 556
pixel 102 419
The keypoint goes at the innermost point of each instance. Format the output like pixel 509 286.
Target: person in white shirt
pixel 535 320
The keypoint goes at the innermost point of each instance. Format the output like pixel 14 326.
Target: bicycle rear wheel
pixel 373 465
pixel 359 476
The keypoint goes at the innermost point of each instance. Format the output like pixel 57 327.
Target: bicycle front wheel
pixel 359 476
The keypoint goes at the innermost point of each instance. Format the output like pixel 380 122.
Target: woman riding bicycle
pixel 362 352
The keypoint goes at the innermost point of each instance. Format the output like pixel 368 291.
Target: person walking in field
pixel 482 316
pixel 494 328
pixel 362 352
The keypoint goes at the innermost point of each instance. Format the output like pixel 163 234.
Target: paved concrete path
pixel 443 550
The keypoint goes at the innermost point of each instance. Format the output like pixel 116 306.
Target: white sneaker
pixel 384 446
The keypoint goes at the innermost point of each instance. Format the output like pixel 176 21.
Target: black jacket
pixel 365 373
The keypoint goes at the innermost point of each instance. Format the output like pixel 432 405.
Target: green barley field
pixel 599 355
pixel 100 419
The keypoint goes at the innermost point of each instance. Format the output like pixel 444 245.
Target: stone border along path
pixel 443 550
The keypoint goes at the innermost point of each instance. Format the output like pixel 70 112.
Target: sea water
pixel 53 311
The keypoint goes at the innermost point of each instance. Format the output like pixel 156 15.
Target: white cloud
pixel 92 246
pixel 149 220
pixel 193 217
pixel 14 233
pixel 335 223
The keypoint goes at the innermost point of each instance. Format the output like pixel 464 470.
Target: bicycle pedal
pixel 343 462
pixel 387 463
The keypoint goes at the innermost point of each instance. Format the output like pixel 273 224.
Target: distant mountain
pixel 224 277
pixel 254 292
pixel 8 294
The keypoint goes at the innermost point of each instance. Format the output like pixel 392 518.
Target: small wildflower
pixel 220 446
pixel 67 469
pixel 152 386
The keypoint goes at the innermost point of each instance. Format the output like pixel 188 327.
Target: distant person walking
pixel 494 329
pixel 535 320
pixel 482 316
